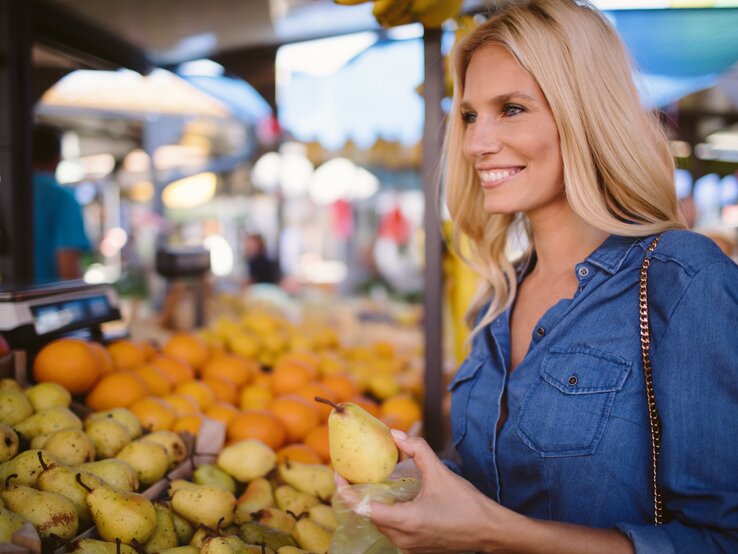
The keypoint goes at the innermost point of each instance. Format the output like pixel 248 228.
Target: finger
pixel 419 450
pixel 339 481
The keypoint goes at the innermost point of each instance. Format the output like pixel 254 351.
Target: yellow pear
pixel 324 516
pixel 361 446
pixel 26 466
pixel 123 416
pixel 172 443
pixel 165 535
pixel 247 460
pixel 311 536
pixel 275 518
pixel 95 546
pixel 71 446
pixel 205 504
pixel 187 549
pixel 149 459
pixel 114 472
pixel 10 522
pixel 49 512
pixel 315 479
pixel 8 442
pixel 48 395
pixel 108 436
pixel 290 499
pixel 48 421
pixel 14 406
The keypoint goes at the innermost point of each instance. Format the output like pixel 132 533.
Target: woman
pixel 547 141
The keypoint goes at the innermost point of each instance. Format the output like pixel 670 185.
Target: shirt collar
pixel 611 254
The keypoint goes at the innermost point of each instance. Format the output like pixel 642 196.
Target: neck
pixel 562 239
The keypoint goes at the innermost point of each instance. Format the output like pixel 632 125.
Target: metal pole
pixel 433 421
pixel 16 187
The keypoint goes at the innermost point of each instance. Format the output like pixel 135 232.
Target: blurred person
pixel 262 269
pixel 550 421
pixel 59 232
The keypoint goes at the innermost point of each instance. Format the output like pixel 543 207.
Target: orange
pixel 222 411
pixel 404 408
pixel 159 383
pixel 149 349
pixel 188 424
pixel 126 354
pixel 298 453
pixel 255 397
pixel 288 376
pixel 343 386
pixel 297 414
pixel 72 363
pixel 224 391
pixel 317 439
pixel 203 395
pixel 263 379
pixel 257 424
pixel 311 390
pixel 191 348
pixel 304 357
pixel 367 403
pixel 154 413
pixel 183 404
pixel 178 370
pixel 104 358
pixel 119 389
pixel 232 368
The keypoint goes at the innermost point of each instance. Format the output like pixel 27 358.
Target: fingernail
pixel 398 434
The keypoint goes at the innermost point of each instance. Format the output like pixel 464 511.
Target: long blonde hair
pixel 618 169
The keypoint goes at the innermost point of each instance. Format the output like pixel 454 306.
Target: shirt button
pixel 573 380
pixel 583 271
pixel 540 331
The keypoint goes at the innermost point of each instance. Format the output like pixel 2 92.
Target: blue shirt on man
pixel 57 225
pixel 576 444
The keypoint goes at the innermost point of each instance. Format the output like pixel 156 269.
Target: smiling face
pixel 510 136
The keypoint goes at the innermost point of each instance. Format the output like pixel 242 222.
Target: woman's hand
pixel 448 515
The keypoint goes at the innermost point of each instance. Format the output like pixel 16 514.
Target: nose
pixel 481 139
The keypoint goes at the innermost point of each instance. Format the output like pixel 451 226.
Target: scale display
pixel 58 315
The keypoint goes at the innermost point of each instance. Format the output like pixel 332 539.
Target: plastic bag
pixel 355 533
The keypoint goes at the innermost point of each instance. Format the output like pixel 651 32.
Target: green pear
pixel 26 466
pixel 95 546
pixel 258 494
pixel 275 518
pixel 172 443
pixel 71 446
pixel 149 459
pixel 48 421
pixel 235 542
pixel 291 550
pixel 253 532
pixel 247 460
pixel 48 395
pixel 127 516
pixel 216 545
pixel 123 416
pixel 10 522
pixel 178 485
pixel 49 512
pixel 114 472
pixel 206 505
pixel 187 549
pixel 315 479
pixel 165 535
pixel 361 446
pixel 14 406
pixel 8 442
pixel 290 499
pixel 311 536
pixel 63 480
pixel 182 528
pixel 324 516
pixel 209 474
pixel 108 436
pixel 9 384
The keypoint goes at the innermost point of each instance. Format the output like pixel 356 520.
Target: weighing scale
pixel 185 266
pixel 32 316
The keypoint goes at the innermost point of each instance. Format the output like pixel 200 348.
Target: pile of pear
pixel 46 450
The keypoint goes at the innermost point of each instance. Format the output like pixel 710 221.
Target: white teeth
pixel 492 176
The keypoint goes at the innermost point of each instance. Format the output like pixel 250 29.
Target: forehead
pixel 493 70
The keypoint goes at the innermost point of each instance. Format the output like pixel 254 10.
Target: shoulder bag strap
pixel 653 414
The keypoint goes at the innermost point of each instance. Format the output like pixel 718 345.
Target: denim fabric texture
pixel 575 446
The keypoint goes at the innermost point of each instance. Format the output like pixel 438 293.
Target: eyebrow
pixel 505 97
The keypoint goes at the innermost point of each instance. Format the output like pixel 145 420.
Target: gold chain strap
pixel 653 414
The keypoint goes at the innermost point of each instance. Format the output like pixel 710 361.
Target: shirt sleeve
pixel 69 227
pixel 695 368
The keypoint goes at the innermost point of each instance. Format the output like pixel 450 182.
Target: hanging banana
pixel 391 13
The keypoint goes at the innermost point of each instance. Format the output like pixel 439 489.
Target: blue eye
pixel 512 109
pixel 468 117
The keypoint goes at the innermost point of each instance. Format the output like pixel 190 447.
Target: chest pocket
pixel 461 387
pixel 565 413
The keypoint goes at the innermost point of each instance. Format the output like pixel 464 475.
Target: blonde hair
pixel 618 169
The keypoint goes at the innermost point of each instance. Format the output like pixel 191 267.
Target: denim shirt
pixel 575 446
